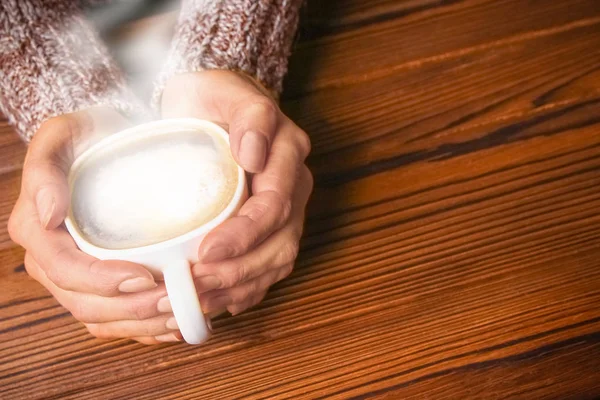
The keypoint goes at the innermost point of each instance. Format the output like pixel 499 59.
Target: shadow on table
pixel 318 20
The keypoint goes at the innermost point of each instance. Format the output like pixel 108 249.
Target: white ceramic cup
pixel 172 258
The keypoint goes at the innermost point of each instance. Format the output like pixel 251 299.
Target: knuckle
pixel 289 251
pixel 47 172
pixel 144 312
pixel 258 298
pixel 82 312
pixel 303 143
pixel 55 276
pixel 296 231
pixel 275 203
pixel 104 283
pixel 241 240
pixel 261 205
pixel 40 168
pixel 79 314
pixel 14 227
pixel 34 270
pixel 62 131
pixel 242 293
pixel 65 125
pixel 151 327
pixel 33 169
pixel 56 270
pixel 145 330
pixel 235 274
pixel 51 125
pixel 140 311
pixel 286 211
pixel 264 106
pixel 307 176
pixel 28 263
pixel 285 272
pixel 97 331
pixel 285 207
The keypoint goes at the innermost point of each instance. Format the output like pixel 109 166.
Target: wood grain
pixel 452 246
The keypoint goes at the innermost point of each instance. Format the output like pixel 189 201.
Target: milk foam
pixel 153 190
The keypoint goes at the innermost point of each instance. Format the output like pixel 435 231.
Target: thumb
pixel 252 127
pixel 45 172
pixel 51 153
pixel 233 99
pixel 51 195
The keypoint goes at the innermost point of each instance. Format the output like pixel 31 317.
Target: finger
pixel 148 340
pixel 286 163
pixel 244 293
pixel 258 297
pixel 254 299
pixel 279 249
pixel 170 337
pixel 215 314
pixel 164 304
pixel 249 303
pixel 252 127
pixel 70 269
pixel 128 329
pixel 89 308
pixel 262 214
pixel 45 176
pixel 267 210
pixel 165 338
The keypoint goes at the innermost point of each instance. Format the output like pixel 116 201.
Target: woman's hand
pixel 244 256
pixel 114 299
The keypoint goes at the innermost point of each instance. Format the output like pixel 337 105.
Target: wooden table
pixel 452 248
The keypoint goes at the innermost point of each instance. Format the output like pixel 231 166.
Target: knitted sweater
pixel 52 61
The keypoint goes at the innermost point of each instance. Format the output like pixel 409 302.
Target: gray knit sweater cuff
pixel 53 63
pixel 252 36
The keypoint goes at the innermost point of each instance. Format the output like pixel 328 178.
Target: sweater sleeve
pixel 251 36
pixel 52 62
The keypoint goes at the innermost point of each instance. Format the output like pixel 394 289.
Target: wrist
pixel 260 86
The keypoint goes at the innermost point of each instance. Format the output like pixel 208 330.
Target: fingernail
pixel 218 253
pixel 46 204
pixel 164 305
pixel 172 323
pixel 234 310
pixel 208 283
pixel 253 151
pixel 168 337
pixel 135 285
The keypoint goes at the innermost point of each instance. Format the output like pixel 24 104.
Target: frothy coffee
pixel 150 189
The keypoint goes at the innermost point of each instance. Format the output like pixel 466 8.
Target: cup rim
pixel 151 129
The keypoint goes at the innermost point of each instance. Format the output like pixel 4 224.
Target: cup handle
pixel 184 301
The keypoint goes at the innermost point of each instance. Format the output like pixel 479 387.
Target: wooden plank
pixel 9 192
pixel 501 312
pixel 12 153
pixel 502 258
pixel 570 366
pixel 453 29
pixel 12 149
pixel 370 122
pixel 452 243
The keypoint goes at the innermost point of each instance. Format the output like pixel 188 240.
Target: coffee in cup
pixel 145 190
